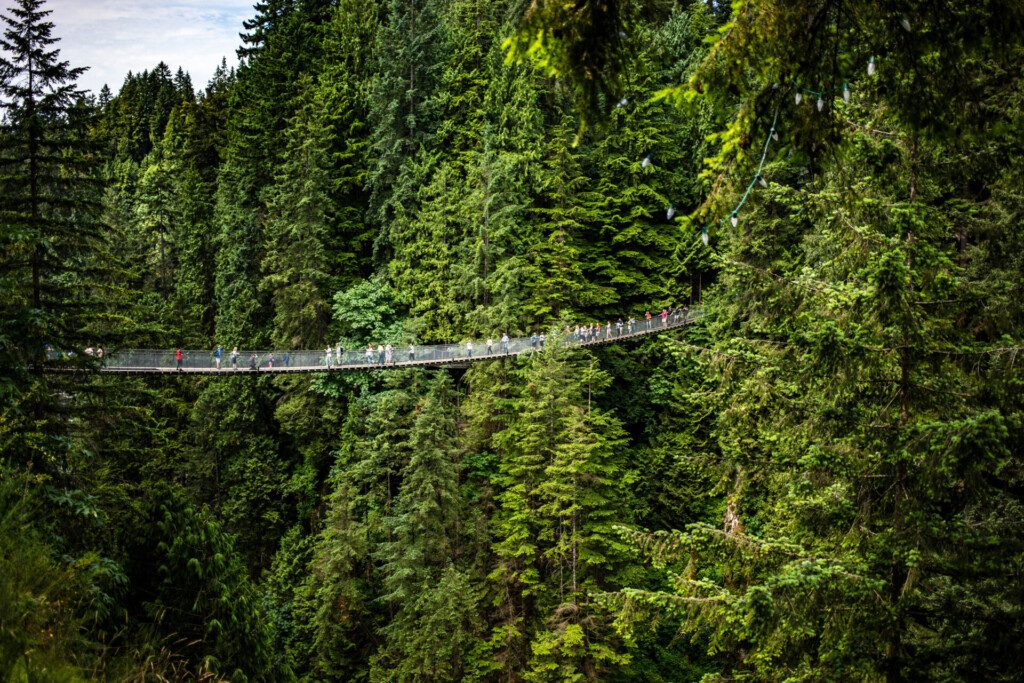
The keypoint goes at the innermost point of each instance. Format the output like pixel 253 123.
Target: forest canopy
pixel 819 479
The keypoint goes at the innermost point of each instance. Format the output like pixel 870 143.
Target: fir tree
pixel 553 527
pixel 49 237
pixel 299 232
pixel 409 45
pixel 564 283
pixel 495 272
pixel 343 87
pixel 180 551
pixel 434 625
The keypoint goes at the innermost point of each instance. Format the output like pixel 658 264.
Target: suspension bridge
pixel 278 361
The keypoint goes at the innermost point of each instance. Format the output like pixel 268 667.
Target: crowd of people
pixel 383 355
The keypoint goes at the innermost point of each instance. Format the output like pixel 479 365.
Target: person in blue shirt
pixel 217 355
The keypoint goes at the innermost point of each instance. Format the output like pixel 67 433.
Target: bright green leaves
pixel 584 42
pixel 554 542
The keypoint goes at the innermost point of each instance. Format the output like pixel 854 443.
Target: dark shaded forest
pixel 819 480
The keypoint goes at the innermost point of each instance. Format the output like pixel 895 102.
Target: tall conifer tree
pixel 433 629
pixel 300 206
pixel 49 232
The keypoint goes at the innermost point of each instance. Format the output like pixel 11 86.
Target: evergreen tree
pixel 553 537
pixel 854 390
pixel 343 86
pixel 364 484
pixel 240 471
pixel 261 101
pixel 49 235
pixel 495 273
pixel 156 220
pixel 564 212
pixel 826 463
pixel 408 48
pixel 187 585
pixel 191 148
pixel 434 624
pixel 299 232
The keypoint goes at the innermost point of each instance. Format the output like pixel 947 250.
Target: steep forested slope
pixel 819 481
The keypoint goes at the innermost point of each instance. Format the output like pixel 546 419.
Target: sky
pixel 113 37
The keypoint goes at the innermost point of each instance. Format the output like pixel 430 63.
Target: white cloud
pixel 113 37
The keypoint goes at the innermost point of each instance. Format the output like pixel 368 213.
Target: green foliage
pixel 818 480
pixel 49 233
pixel 407 51
pixel 191 592
pixel 583 42
pixel 554 543
pixel 300 210
pixel 38 623
pixel 435 620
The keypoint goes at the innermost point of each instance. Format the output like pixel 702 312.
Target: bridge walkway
pixel 202 362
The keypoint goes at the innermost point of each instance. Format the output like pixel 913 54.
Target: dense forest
pixel 822 479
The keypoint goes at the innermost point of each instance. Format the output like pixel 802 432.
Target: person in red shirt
pixel 647 317
pixel 664 317
pixel 178 357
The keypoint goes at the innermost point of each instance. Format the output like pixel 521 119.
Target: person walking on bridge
pixel 389 355
pixel 270 360
pixel 504 342
pixel 664 317
pixel 216 356
pixel 608 330
pixel 469 349
pixel 380 354
pixel 234 358
pixel 178 358
pixel 339 353
pixel 618 327
pixel 369 354
pixel 647 317
pixel 412 353
pixel 254 362
pixel 328 357
pixel 490 346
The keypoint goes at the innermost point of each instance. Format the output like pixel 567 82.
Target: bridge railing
pixel 420 354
